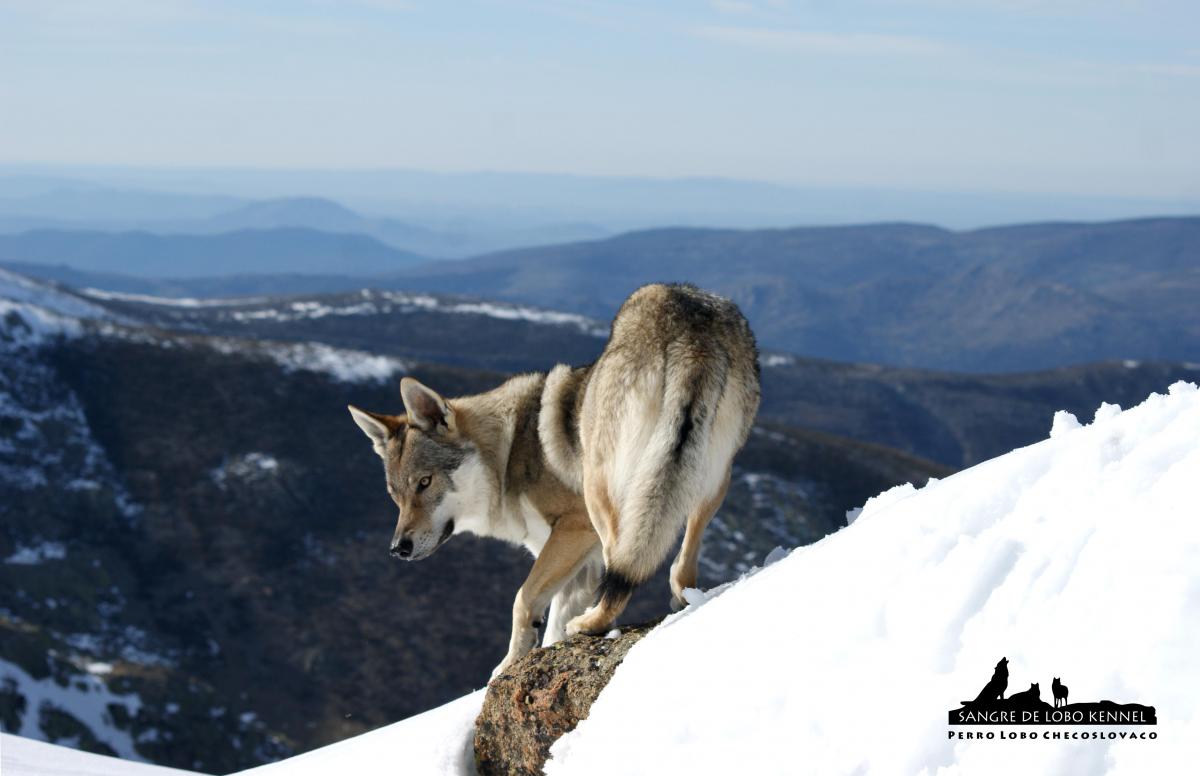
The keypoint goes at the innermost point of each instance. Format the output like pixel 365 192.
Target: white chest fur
pixel 515 520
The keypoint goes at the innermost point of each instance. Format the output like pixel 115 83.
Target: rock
pixel 543 696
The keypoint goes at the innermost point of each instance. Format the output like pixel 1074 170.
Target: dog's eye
pixel 423 483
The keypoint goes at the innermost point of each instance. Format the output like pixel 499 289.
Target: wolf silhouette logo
pixel 990 707
pixel 1060 692
pixel 994 689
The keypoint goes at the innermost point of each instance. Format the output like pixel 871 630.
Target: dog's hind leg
pixel 615 588
pixel 571 541
pixel 575 596
pixel 683 570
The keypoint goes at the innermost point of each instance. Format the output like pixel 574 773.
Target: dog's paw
pixel 593 622
pixel 678 603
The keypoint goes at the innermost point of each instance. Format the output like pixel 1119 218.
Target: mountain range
pixel 534 200
pixel 93 209
pixel 260 251
pixel 1013 298
pixel 1018 298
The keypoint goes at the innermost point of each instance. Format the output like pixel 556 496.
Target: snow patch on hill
pixel 45 439
pixel 85 697
pixel 18 288
pixel 169 301
pixel 34 554
pixel 365 302
pixel 342 364
pixel 372 302
pixel 33 313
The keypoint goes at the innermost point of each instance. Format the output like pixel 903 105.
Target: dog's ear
pixel 378 428
pixel 426 409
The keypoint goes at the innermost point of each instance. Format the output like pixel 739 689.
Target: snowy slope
pixel 25 757
pixel 436 742
pixel 1075 557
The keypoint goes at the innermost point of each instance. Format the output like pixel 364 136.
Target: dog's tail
pixel 558 423
pixel 670 462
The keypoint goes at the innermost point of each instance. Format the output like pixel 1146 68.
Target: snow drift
pixel 1075 557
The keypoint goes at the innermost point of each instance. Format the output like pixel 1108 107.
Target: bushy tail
pixel 680 463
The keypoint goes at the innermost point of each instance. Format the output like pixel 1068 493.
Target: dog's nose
pixel 402 548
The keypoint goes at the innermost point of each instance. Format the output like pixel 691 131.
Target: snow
pixel 169 301
pixel 19 288
pixel 372 302
pixel 437 742
pixel 250 467
pixel 348 366
pixel 776 359
pixel 365 302
pixel 1064 423
pixel 431 744
pixel 1074 557
pixel 45 312
pixel 29 324
pixel 32 555
pixel 342 364
pixel 86 698
pixel 25 757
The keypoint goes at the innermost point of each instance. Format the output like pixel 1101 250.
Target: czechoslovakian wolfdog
pixel 594 469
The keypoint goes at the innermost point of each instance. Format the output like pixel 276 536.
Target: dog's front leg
pixel 571 539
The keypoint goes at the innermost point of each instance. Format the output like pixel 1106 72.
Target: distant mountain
pixel 219 286
pixel 1015 298
pixel 616 203
pixel 259 251
pixel 82 207
pixel 329 216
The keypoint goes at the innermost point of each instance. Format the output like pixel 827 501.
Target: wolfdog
pixel 594 469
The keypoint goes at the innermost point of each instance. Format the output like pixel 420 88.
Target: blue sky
pixel 1090 97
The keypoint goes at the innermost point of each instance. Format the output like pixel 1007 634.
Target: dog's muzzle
pixel 403 548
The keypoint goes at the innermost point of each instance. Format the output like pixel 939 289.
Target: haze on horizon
pixel 1088 98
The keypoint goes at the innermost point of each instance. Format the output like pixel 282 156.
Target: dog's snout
pixel 402 548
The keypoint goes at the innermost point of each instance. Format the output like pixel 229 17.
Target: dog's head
pixel 423 453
